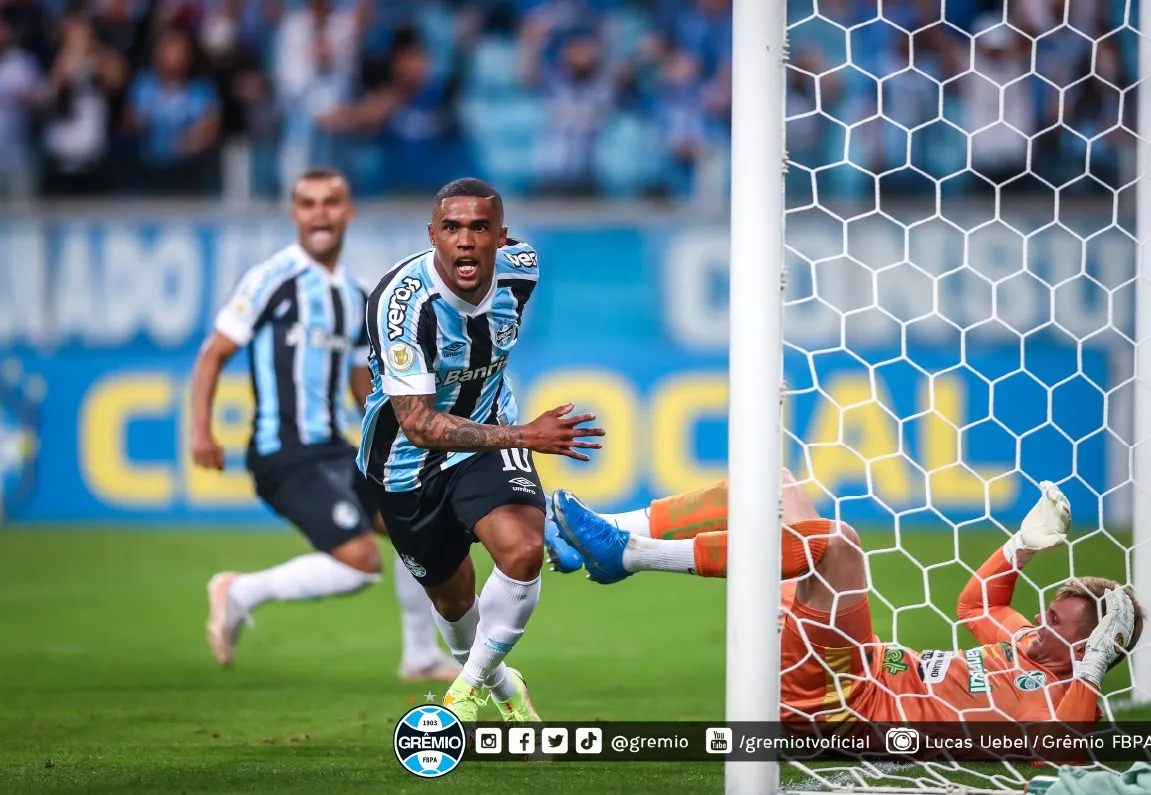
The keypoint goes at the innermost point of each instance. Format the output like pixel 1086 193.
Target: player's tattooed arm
pixel 434 430
pixel 553 432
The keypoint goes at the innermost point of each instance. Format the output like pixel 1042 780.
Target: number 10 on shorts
pixel 516 459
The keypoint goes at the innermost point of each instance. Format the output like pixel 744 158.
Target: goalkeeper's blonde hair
pixel 1094 588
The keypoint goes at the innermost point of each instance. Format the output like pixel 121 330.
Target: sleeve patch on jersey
pixel 398 305
pixel 242 306
pixel 401 356
pixel 524 260
pixel 933 665
pixel 893 660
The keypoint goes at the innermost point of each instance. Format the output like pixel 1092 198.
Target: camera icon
pixel 488 741
pixel 902 740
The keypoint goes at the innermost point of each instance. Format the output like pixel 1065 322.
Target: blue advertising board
pixel 898 417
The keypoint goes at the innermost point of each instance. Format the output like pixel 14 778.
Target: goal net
pixel 963 252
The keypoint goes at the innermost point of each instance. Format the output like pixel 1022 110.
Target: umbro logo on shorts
pixel 523 484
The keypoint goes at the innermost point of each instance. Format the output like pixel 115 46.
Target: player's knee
pixel 846 535
pixel 843 543
pixel 452 607
pixel 361 553
pixel 523 560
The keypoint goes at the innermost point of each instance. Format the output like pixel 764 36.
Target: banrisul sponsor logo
pixel 398 305
pixel 976 672
pixel 429 741
pixel 463 376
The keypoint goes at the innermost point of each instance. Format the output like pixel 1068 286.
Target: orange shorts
pixel 827 663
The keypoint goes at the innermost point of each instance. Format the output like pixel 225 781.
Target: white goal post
pixel 1141 463
pixel 761 330
pixel 755 440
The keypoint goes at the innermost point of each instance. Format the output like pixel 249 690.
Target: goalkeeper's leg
pixel 705 510
pixel 826 549
pixel 682 516
pixel 611 554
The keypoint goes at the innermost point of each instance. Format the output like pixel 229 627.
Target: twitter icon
pixel 555 741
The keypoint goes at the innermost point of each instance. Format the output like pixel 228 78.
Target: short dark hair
pixel 320 172
pixel 469 186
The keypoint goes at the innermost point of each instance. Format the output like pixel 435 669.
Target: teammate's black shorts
pixel 431 527
pixel 319 490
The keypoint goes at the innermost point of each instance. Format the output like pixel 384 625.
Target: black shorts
pixel 319 490
pixel 431 527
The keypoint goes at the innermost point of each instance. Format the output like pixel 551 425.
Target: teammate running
pixel 449 465
pixel 834 667
pixel 301 316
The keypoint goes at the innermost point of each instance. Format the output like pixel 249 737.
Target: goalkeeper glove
pixel 1044 526
pixel 1109 639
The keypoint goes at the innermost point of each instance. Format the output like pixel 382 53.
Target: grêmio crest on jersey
pixel 426 340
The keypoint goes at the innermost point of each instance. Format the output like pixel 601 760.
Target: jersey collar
pixel 454 301
pixel 335 277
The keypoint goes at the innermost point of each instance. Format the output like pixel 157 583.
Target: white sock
pixel 311 576
pixel 637 522
pixel 657 554
pixel 505 607
pixel 419 628
pixel 461 636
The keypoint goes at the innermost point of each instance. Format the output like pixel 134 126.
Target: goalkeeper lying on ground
pixel 832 664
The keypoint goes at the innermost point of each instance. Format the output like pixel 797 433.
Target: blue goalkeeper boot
pixel 561 555
pixel 598 541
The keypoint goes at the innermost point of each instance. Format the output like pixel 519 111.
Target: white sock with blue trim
pixel 461 636
pixel 505 605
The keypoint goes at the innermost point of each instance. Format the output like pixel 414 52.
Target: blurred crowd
pixel 554 97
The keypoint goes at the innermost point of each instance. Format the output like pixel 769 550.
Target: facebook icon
pixel 521 741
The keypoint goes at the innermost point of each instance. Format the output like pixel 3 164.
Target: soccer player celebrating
pixel 834 667
pixel 302 316
pixel 448 462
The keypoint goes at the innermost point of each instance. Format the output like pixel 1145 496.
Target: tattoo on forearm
pixel 435 430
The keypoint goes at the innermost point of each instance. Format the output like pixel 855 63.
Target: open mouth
pixel 467 268
pixel 322 233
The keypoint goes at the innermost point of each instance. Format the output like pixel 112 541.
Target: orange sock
pixel 711 554
pixel 711 550
pixel 691 513
pixel 800 538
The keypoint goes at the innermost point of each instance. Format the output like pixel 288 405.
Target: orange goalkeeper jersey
pixel 992 681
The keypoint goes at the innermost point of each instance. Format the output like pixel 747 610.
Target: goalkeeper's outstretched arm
pixel 985 603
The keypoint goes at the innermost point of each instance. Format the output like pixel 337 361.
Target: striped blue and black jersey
pixel 426 340
pixel 301 323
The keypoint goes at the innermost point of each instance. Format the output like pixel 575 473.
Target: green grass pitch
pixel 106 684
